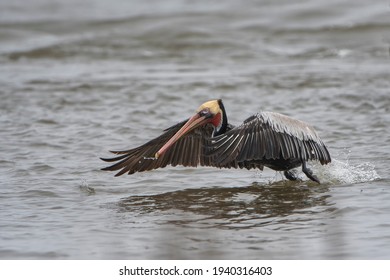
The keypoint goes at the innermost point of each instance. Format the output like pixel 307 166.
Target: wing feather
pixel 268 136
pixel 188 151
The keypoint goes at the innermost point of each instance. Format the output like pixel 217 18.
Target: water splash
pixel 346 172
pixel 84 187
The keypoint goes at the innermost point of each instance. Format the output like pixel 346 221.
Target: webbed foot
pixel 309 173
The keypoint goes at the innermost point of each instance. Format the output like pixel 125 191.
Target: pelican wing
pixel 266 136
pixel 188 151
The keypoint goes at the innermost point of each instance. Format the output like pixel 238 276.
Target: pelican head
pixel 210 112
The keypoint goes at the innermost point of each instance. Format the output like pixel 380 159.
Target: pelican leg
pixel 309 173
pixel 291 175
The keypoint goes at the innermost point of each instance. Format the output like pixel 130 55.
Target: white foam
pixel 344 171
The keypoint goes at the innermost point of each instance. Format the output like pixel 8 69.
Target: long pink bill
pixel 191 124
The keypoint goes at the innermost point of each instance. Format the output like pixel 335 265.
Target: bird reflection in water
pixel 251 206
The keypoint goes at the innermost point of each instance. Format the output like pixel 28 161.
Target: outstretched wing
pixel 188 151
pixel 268 135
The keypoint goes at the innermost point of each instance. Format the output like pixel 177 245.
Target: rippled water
pixel 78 79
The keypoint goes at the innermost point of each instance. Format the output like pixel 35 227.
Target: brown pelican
pixel 207 139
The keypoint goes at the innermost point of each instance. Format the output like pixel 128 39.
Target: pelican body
pixel 207 139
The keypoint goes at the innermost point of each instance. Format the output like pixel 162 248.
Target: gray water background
pixel 79 78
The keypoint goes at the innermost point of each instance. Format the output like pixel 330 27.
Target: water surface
pixel 78 79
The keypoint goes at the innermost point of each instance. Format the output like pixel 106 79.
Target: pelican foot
pixel 309 173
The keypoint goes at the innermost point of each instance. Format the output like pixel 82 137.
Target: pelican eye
pixel 205 113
